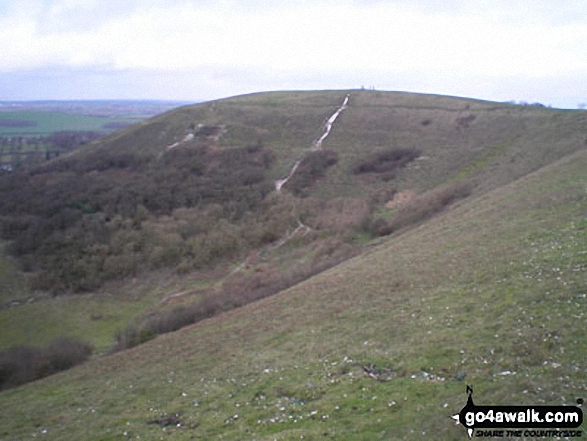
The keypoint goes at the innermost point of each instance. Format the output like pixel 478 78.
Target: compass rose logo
pixel 460 418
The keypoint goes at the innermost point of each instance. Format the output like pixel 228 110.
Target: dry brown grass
pixel 401 199
pixel 424 206
pixel 340 215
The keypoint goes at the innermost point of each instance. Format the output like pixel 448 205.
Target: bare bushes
pixel 91 218
pixel 163 322
pixel 386 162
pixel 208 238
pixel 22 364
pixel 465 121
pixel 423 207
pixel 312 167
pixel 224 242
pixel 341 215
pixel 236 291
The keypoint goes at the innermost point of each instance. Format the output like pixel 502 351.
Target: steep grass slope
pixel 180 203
pixel 491 143
pixel 492 292
pixel 458 137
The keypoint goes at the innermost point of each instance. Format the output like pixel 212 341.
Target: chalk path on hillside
pixel 329 123
pixel 301 228
pixel 280 182
pixel 273 246
pixel 317 145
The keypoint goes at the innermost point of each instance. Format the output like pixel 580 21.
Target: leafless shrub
pixel 465 121
pixel 386 161
pixel 332 249
pixel 235 292
pixel 423 207
pixel 382 196
pixel 312 167
pixel 342 215
pixel 22 364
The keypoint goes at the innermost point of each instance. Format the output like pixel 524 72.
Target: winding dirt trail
pixel 273 246
pixel 317 145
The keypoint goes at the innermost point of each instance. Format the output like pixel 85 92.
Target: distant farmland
pixel 39 123
pixel 33 132
pixel 43 118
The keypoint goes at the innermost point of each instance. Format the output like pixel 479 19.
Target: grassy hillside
pixel 192 189
pixel 492 291
pixel 466 220
pixel 203 155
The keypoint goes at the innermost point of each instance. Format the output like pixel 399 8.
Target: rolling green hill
pixel 454 231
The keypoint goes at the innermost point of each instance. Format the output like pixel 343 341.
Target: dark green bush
pixel 385 161
pixel 80 221
pixel 22 364
pixel 312 167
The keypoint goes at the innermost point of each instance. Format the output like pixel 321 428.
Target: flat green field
pixel 39 123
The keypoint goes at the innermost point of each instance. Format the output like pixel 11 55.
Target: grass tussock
pixel 23 364
pixel 423 207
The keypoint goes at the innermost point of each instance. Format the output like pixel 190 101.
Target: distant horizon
pixel 500 51
pixel 89 100
pixel 199 101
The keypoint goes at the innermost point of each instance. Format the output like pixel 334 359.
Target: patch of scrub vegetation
pixel 81 236
pixel 236 290
pixel 14 285
pixel 189 229
pixel 423 207
pixel 23 364
pixel 385 162
pixel 312 167
pixel 488 295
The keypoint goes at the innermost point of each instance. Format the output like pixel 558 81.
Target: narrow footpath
pixel 317 145
pixel 301 228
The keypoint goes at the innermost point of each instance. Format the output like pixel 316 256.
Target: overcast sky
pixel 523 50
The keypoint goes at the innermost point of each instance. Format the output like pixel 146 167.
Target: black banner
pixel 517 417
